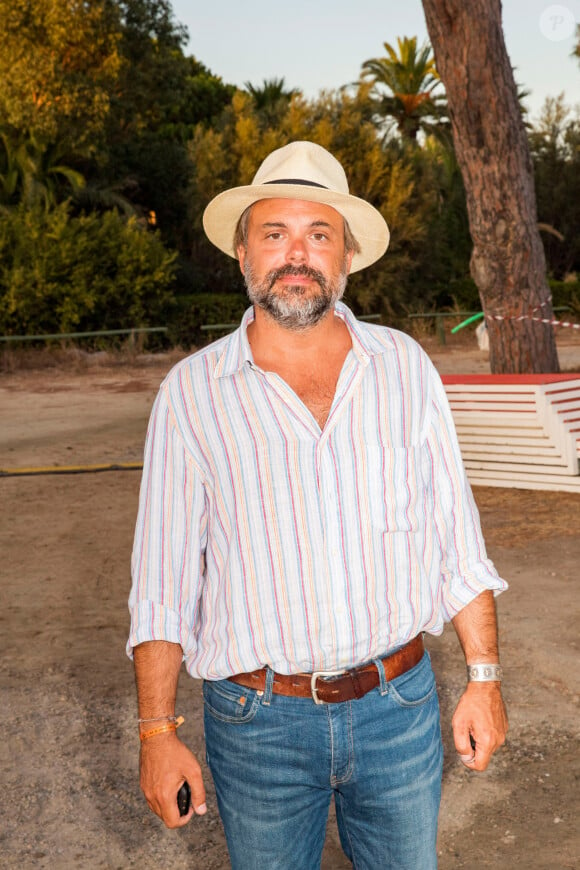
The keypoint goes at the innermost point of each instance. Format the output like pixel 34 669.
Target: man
pixel 304 518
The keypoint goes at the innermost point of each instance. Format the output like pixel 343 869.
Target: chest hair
pixel 315 389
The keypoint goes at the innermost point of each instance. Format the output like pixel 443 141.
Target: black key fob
pixel 184 799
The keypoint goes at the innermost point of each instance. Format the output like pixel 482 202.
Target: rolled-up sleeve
pixel 167 558
pixel 466 571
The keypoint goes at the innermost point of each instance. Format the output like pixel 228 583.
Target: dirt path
pixel 68 758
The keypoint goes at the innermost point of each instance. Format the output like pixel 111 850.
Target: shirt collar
pixel 365 341
pixel 237 352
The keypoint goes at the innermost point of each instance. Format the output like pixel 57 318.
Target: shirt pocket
pixel 393 487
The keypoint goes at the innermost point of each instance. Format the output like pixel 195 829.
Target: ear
pixel 241 252
pixel 348 260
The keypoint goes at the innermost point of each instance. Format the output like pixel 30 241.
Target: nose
pixel 296 252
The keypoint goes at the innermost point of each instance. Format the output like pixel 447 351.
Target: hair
pixel 241 234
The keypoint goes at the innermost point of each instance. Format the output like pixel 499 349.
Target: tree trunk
pixel 507 262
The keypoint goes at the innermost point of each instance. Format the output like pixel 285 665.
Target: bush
pixel 460 293
pixel 192 312
pixel 566 293
pixel 71 274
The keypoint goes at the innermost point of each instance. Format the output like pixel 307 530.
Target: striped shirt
pixel 263 540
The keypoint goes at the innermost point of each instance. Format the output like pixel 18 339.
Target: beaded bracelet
pixel 163 729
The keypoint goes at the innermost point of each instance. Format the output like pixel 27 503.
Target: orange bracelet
pixel 162 729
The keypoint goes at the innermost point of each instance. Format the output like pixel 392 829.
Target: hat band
pixel 296 181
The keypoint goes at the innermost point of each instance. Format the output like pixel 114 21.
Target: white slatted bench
pixel 518 430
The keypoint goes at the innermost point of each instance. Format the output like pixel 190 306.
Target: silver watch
pixel 484 673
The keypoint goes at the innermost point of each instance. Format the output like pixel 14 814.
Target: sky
pixel 322 45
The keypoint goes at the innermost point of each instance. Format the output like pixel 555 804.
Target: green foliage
pixel 159 88
pixel 205 96
pixel 62 274
pixel 271 100
pixel 101 92
pixel 58 64
pixel 161 95
pixel 442 262
pixel 403 88
pixel 555 148
pixel 566 293
pixel 34 173
pixel 196 310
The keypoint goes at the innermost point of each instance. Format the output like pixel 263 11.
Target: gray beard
pixel 294 310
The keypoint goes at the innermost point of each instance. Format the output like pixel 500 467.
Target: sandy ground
pixel 69 750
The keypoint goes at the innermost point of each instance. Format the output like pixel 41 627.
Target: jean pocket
pixel 416 687
pixel 229 702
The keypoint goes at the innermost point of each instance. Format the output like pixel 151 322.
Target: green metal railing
pixel 93 334
pixel 439 316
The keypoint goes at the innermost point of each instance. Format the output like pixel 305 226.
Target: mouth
pixel 296 280
pixel 292 276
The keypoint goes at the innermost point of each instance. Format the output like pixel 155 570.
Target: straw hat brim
pixel 367 224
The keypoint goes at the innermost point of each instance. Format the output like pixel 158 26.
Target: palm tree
pixel 34 173
pixel 271 99
pixel 409 79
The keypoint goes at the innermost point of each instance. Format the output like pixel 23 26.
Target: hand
pixel 480 714
pixel 165 763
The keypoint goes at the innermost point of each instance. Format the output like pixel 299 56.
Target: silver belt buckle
pixel 314 676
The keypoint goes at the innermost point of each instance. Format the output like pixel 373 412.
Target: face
pixel 295 266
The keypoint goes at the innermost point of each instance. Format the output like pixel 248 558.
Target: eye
pixel 274 235
pixel 320 237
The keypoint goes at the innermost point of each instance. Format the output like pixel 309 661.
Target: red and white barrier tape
pixel 551 321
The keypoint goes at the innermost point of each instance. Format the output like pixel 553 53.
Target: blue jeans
pixel 277 761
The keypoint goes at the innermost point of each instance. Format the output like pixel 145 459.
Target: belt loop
pixel 268 687
pixel 383 684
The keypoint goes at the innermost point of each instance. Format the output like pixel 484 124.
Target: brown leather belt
pixel 331 687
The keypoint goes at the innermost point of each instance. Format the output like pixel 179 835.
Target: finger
pixel 171 816
pixel 197 794
pixel 467 760
pixel 183 820
pixel 483 755
pixel 480 764
pixel 464 743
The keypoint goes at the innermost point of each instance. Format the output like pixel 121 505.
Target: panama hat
pixel 306 171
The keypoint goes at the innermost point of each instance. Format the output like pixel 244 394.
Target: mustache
pixel 295 271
